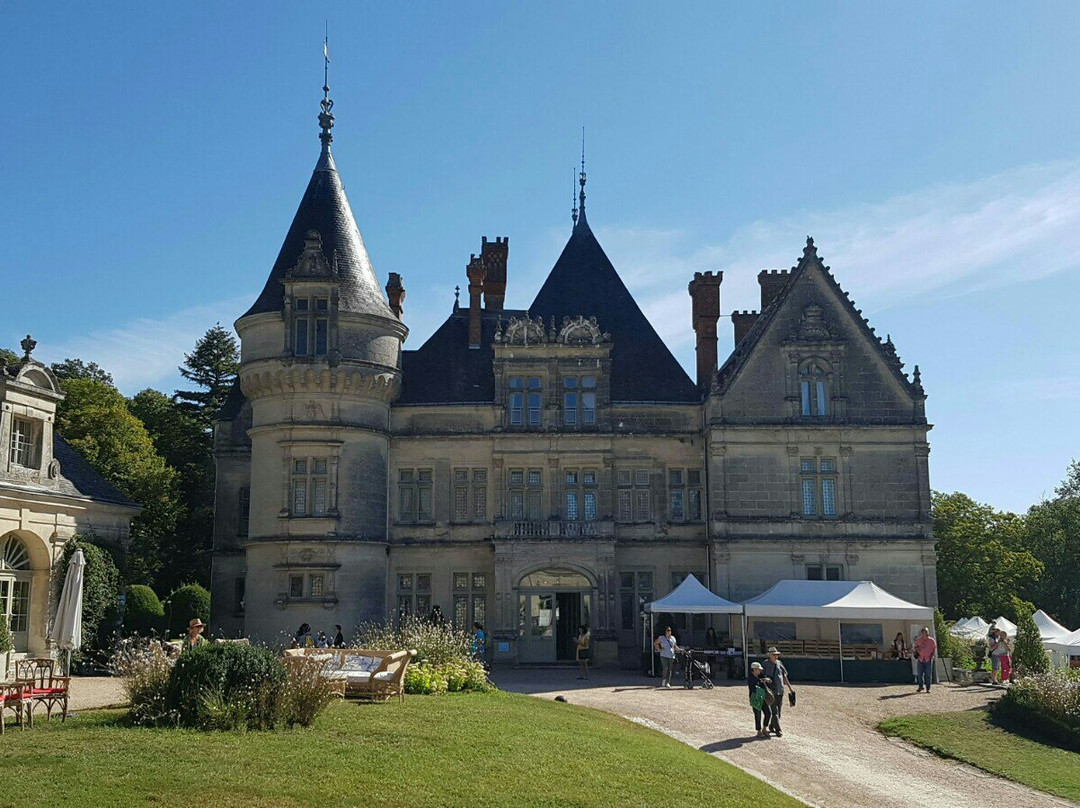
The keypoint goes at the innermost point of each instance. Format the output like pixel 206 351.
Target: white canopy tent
pixel 689 597
pixel 1049 628
pixel 834 600
pixel 970 628
pixel 1062 647
pixel 1006 625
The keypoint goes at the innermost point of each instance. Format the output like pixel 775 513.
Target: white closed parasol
pixel 67 628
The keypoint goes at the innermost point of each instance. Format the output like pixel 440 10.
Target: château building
pixel 541 467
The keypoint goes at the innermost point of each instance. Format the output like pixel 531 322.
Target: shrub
pixel 6 641
pixel 226 686
pixel 426 679
pixel 435 643
pixel 143 612
pixel 1045 703
pixel 1029 656
pixel 951 646
pixel 186 603
pixel 101 590
pixel 306 693
pixel 145 673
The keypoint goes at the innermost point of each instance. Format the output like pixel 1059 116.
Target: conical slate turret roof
pixel 325 208
pixel 584 282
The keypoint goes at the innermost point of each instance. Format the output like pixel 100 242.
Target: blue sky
pixel 153 156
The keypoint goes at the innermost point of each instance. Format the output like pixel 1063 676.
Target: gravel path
pixel 831 753
pixel 95 692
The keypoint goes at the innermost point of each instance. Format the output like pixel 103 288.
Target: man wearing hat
pixel 194 634
pixel 776 675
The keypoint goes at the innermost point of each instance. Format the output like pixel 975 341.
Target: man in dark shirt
pixel 777 675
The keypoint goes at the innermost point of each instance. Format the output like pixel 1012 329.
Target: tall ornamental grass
pixel 1045 703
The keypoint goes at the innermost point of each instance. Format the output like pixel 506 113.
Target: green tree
pixel 143 612
pixel 1052 534
pixel 1029 655
pixel 77 369
pixel 101 588
pixel 982 560
pixel 186 447
pixel 8 357
pixel 213 366
pixel 184 604
pixel 7 644
pixel 94 418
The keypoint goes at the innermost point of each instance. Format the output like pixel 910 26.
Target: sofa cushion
pixel 330 661
pixel 359 662
pixel 384 676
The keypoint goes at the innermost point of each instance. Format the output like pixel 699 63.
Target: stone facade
pixel 537 469
pixel 48 494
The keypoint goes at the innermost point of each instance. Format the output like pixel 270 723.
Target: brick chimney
pixel 493 254
pixel 743 322
pixel 395 294
pixel 475 272
pixel 772 281
pixel 705 311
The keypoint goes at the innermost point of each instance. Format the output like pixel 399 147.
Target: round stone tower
pixel 320 365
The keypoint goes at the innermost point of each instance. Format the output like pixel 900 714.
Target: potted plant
pixel 7 644
pixel 978 651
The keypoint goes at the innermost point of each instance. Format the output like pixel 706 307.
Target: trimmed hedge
pixel 1047 705
pixel 143 612
pixel 184 604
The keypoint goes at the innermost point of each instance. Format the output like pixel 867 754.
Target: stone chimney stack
pixel 493 254
pixel 705 311
pixel 772 281
pixel 743 322
pixel 475 272
pixel 395 294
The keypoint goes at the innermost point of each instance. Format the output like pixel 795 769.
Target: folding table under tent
pixel 833 600
pixel 689 597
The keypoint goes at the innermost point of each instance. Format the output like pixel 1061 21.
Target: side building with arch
pixel 48 494
pixel 539 468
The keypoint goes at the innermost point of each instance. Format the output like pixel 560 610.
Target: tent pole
pixel 840 637
pixel 745 657
pixel 652 654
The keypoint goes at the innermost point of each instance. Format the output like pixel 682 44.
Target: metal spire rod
pixel 573 195
pixel 581 178
pixel 326 117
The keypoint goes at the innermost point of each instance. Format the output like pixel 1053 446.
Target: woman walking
pixel 584 651
pixel 1001 653
pixel 759 700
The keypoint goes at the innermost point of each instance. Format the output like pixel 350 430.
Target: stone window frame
pixel 638 593
pixel 575 389
pixel 527 490
pixel 525 397
pixel 26 441
pixel 243 511
pixel 823 571
pixel 413 597
pixel 633 483
pixel 830 356
pixel 310 450
pixel 307 311
pixel 819 478
pixel 415 482
pixel 687 488
pixel 471 484
pixel 577 488
pixel 469 594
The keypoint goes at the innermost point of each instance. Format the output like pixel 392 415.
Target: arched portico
pixel 24 589
pixel 553 601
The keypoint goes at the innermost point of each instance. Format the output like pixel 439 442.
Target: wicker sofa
pixel 364 672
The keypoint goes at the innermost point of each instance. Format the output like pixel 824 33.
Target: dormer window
pixel 311 326
pixel 813 390
pixel 526 400
pixel 579 400
pixel 25 443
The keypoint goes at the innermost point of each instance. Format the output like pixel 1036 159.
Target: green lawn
pixel 973 738
pixel 460 749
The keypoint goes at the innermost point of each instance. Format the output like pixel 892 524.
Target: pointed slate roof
pixel 584 282
pixel 735 363
pixel 325 208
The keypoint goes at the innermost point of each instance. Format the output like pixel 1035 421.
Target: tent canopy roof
pixel 970 628
pixel 860 600
pixel 1066 643
pixel 1048 626
pixel 692 597
pixel 1006 625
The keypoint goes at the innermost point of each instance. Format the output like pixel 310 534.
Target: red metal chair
pixel 17 698
pixel 45 687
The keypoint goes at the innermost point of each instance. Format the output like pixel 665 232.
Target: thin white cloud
pixel 945 240
pixel 146 352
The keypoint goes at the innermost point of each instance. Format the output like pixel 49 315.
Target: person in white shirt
pixel 667 646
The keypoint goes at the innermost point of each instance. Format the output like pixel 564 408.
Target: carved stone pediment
pixel 312 262
pixel 579 331
pixel 523 332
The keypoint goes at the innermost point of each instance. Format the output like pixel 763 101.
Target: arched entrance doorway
pixel 15 579
pixel 552 603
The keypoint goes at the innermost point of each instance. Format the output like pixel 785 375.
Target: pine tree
pixel 213 366
pixel 1029 655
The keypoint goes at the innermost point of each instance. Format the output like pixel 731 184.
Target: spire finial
pixel 573 196
pixel 581 180
pixel 457 298
pixel 809 250
pixel 326 117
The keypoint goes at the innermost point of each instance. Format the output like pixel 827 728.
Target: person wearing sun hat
pixel 194 636
pixel 776 675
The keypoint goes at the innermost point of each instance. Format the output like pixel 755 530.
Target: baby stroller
pixel 694 671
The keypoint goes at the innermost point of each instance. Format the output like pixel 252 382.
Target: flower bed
pixel 1045 703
